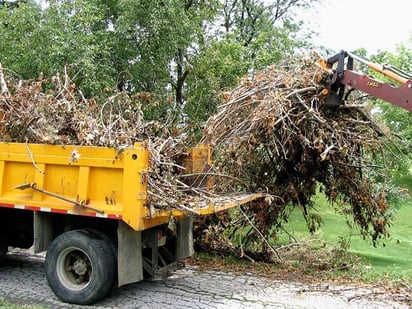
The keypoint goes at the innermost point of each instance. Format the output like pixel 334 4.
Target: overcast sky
pixel 351 24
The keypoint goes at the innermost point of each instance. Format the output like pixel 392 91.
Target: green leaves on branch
pixel 184 50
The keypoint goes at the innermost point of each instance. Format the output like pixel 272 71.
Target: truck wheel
pixel 80 268
pixel 110 242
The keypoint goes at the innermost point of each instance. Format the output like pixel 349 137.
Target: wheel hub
pixel 80 267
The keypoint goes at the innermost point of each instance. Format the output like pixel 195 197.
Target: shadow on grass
pixel 383 260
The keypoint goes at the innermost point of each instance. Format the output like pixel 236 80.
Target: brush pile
pixel 54 111
pixel 274 133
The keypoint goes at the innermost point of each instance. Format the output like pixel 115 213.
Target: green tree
pixel 71 34
pixel 11 4
pixel 157 39
pixel 19 28
pixel 156 44
pixel 248 35
pixel 182 51
pixel 75 34
pixel 396 118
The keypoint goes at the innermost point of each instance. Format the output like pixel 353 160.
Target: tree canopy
pixel 184 52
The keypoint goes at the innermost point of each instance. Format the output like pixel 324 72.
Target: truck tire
pixel 110 242
pixel 80 267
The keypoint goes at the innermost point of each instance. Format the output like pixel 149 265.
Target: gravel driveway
pixel 22 280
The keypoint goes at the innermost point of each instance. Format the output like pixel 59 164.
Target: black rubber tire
pixel 80 267
pixel 100 235
pixel 111 243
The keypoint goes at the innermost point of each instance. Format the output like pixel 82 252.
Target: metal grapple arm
pixel 343 74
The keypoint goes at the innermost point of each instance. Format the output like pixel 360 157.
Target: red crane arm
pixel 400 96
pixel 343 75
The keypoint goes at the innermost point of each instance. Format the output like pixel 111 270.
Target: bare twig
pixel 3 85
pixel 32 160
pixel 261 235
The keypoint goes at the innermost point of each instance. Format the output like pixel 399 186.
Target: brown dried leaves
pixel 54 111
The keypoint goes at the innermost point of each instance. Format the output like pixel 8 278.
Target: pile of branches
pixel 273 133
pixel 54 111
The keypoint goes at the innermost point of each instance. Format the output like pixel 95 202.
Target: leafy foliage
pixel 178 50
pixel 249 35
pixel 19 30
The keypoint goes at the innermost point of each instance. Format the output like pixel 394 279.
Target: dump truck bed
pixel 94 181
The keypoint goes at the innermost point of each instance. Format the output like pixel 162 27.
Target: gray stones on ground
pixel 22 280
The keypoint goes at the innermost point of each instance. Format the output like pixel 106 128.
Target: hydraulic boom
pixel 343 75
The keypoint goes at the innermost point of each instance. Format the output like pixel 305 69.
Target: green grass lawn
pixel 390 259
pixel 6 304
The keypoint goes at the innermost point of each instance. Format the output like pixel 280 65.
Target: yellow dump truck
pixel 88 207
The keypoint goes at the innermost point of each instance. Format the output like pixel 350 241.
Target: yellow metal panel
pixel 199 159
pixel 222 203
pixel 17 173
pixel 61 154
pixel 105 178
pixel 39 180
pixel 74 172
pixel 197 164
pixel 2 171
pixel 62 179
pixel 136 164
pixel 213 205
pixel 106 185
pixel 148 223
pixel 83 184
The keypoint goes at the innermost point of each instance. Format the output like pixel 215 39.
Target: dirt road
pixel 22 280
